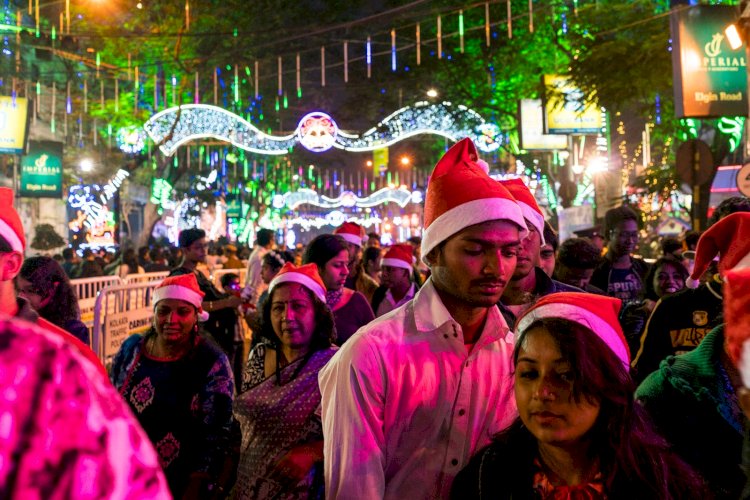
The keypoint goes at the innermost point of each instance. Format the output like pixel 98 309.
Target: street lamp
pixel 432 93
pixel 405 161
pixel 86 165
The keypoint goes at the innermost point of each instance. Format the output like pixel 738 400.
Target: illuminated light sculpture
pixel 90 203
pixel 317 132
pixel 347 199
pixel 131 139
pixel 178 125
pixel 334 218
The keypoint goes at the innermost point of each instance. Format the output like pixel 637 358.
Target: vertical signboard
pixel 41 170
pixel 14 114
pixel 710 79
pixel 531 128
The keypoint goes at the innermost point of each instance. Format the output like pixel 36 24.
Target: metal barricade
pixel 120 311
pixel 86 290
pixel 145 277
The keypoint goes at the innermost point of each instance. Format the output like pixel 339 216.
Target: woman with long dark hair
pixel 129 264
pixel 282 435
pixel 351 309
pixel 580 433
pixel 43 282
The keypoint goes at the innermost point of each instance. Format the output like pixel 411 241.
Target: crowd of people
pixel 485 359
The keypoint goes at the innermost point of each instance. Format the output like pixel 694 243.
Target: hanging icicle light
pixel 531 16
pixel 393 50
pixel 510 20
pixel 368 57
pixel 487 25
pixel 461 30
pixel 299 79
pixel 346 61
pixel 197 96
pixel 440 37
pixel 281 82
pixel 257 88
pixel 419 46
pixel 323 66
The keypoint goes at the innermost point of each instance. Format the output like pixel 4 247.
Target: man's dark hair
pixel 156 254
pixel 670 245
pixel 142 251
pixel 729 206
pixel 550 236
pixel 264 237
pixel 87 252
pixel 226 279
pixel 68 253
pixel 691 239
pixel 615 216
pixel 578 253
pixel 190 236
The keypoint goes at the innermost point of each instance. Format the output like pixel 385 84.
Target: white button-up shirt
pixel 388 304
pixel 405 406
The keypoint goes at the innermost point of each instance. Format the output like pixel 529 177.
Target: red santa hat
pixel 529 207
pixel 460 194
pixel 11 228
pixel 737 319
pixel 399 256
pixel 306 275
pixel 183 287
pixel 729 239
pixel 351 232
pixel 598 313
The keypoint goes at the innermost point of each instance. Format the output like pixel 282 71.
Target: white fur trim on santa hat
pixel 396 263
pixel 743 365
pixel 351 238
pixel 11 237
pixel 536 219
pixel 468 214
pixel 582 316
pixel 292 277
pixel 692 283
pixel 177 292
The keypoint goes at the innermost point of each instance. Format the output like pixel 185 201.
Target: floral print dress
pixel 184 405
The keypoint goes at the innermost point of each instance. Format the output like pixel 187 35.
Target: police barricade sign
pixel 121 311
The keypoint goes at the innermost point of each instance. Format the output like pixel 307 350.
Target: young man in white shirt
pixel 412 396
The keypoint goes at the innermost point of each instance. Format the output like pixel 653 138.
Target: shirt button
pixel 454 462
pixel 461 412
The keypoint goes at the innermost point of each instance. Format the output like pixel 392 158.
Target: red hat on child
pixel 399 255
pixel 461 193
pixel 351 232
pixel 183 287
pixel 598 313
pixel 529 207
pixel 11 228
pixel 729 239
pixel 306 275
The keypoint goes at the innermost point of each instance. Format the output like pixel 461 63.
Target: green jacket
pixel 695 408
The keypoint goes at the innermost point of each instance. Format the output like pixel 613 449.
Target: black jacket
pixel 544 286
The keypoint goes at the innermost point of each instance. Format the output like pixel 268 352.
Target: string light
pixel 347 199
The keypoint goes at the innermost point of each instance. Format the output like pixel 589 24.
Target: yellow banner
pixel 564 112
pixel 13 114
pixel 380 160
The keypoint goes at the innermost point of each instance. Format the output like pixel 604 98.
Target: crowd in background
pixel 485 359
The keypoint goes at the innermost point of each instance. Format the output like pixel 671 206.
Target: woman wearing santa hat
pixel 180 387
pixel 579 433
pixel 351 310
pixel 282 437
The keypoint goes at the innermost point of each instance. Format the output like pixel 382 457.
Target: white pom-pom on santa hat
pixel 729 239
pixel 460 194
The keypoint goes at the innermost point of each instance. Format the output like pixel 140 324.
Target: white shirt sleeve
pixel 352 385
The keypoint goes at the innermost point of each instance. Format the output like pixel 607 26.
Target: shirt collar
pixel 430 314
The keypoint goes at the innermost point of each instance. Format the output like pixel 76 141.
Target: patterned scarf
pixel 545 490
pixel 333 297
